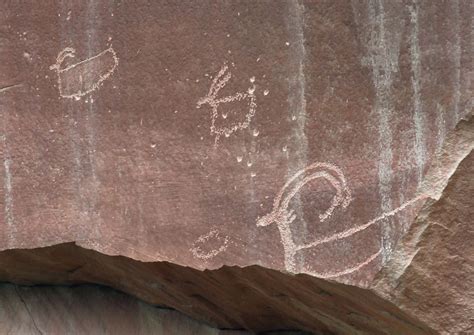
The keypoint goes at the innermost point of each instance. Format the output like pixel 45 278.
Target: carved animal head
pixel 282 214
pixel 67 52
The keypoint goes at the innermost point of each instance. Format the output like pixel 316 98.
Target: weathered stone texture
pixel 293 139
pixel 89 310
pixel 431 274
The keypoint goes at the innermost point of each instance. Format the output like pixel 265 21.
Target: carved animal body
pixel 283 217
pixel 79 79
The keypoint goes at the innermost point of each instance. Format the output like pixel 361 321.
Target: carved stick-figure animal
pixel 81 78
pixel 213 101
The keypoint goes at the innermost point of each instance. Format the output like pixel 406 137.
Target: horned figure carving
pixel 283 216
pixel 78 79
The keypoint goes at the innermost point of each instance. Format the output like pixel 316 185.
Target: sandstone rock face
pixel 285 147
pixel 431 273
pixel 89 310
pixel 252 298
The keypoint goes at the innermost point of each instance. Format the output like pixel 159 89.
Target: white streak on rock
pixel 93 190
pixel 7 182
pixel 457 57
pixel 8 191
pixel 383 64
pixel 456 147
pixel 441 127
pixel 382 40
pixel 296 99
pixel 297 84
pixel 418 120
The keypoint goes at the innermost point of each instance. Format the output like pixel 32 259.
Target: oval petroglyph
pixel 215 239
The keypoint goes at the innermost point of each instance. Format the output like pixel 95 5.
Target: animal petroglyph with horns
pixel 283 217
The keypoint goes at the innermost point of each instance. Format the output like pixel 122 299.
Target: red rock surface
pixel 292 136
pixel 431 274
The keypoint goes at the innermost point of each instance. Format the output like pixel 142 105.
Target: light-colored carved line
pixel 283 206
pixel 281 202
pixel 327 275
pixel 336 200
pixel 9 87
pixel 72 52
pixel 236 97
pixel 8 190
pixel 218 83
pixel 355 230
pixel 328 166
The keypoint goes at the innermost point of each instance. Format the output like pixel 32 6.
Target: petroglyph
pixel 218 83
pixel 283 216
pixel 218 241
pixel 79 79
pixel 355 230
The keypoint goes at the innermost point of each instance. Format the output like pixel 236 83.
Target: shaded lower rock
pixel 252 298
pixel 89 310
